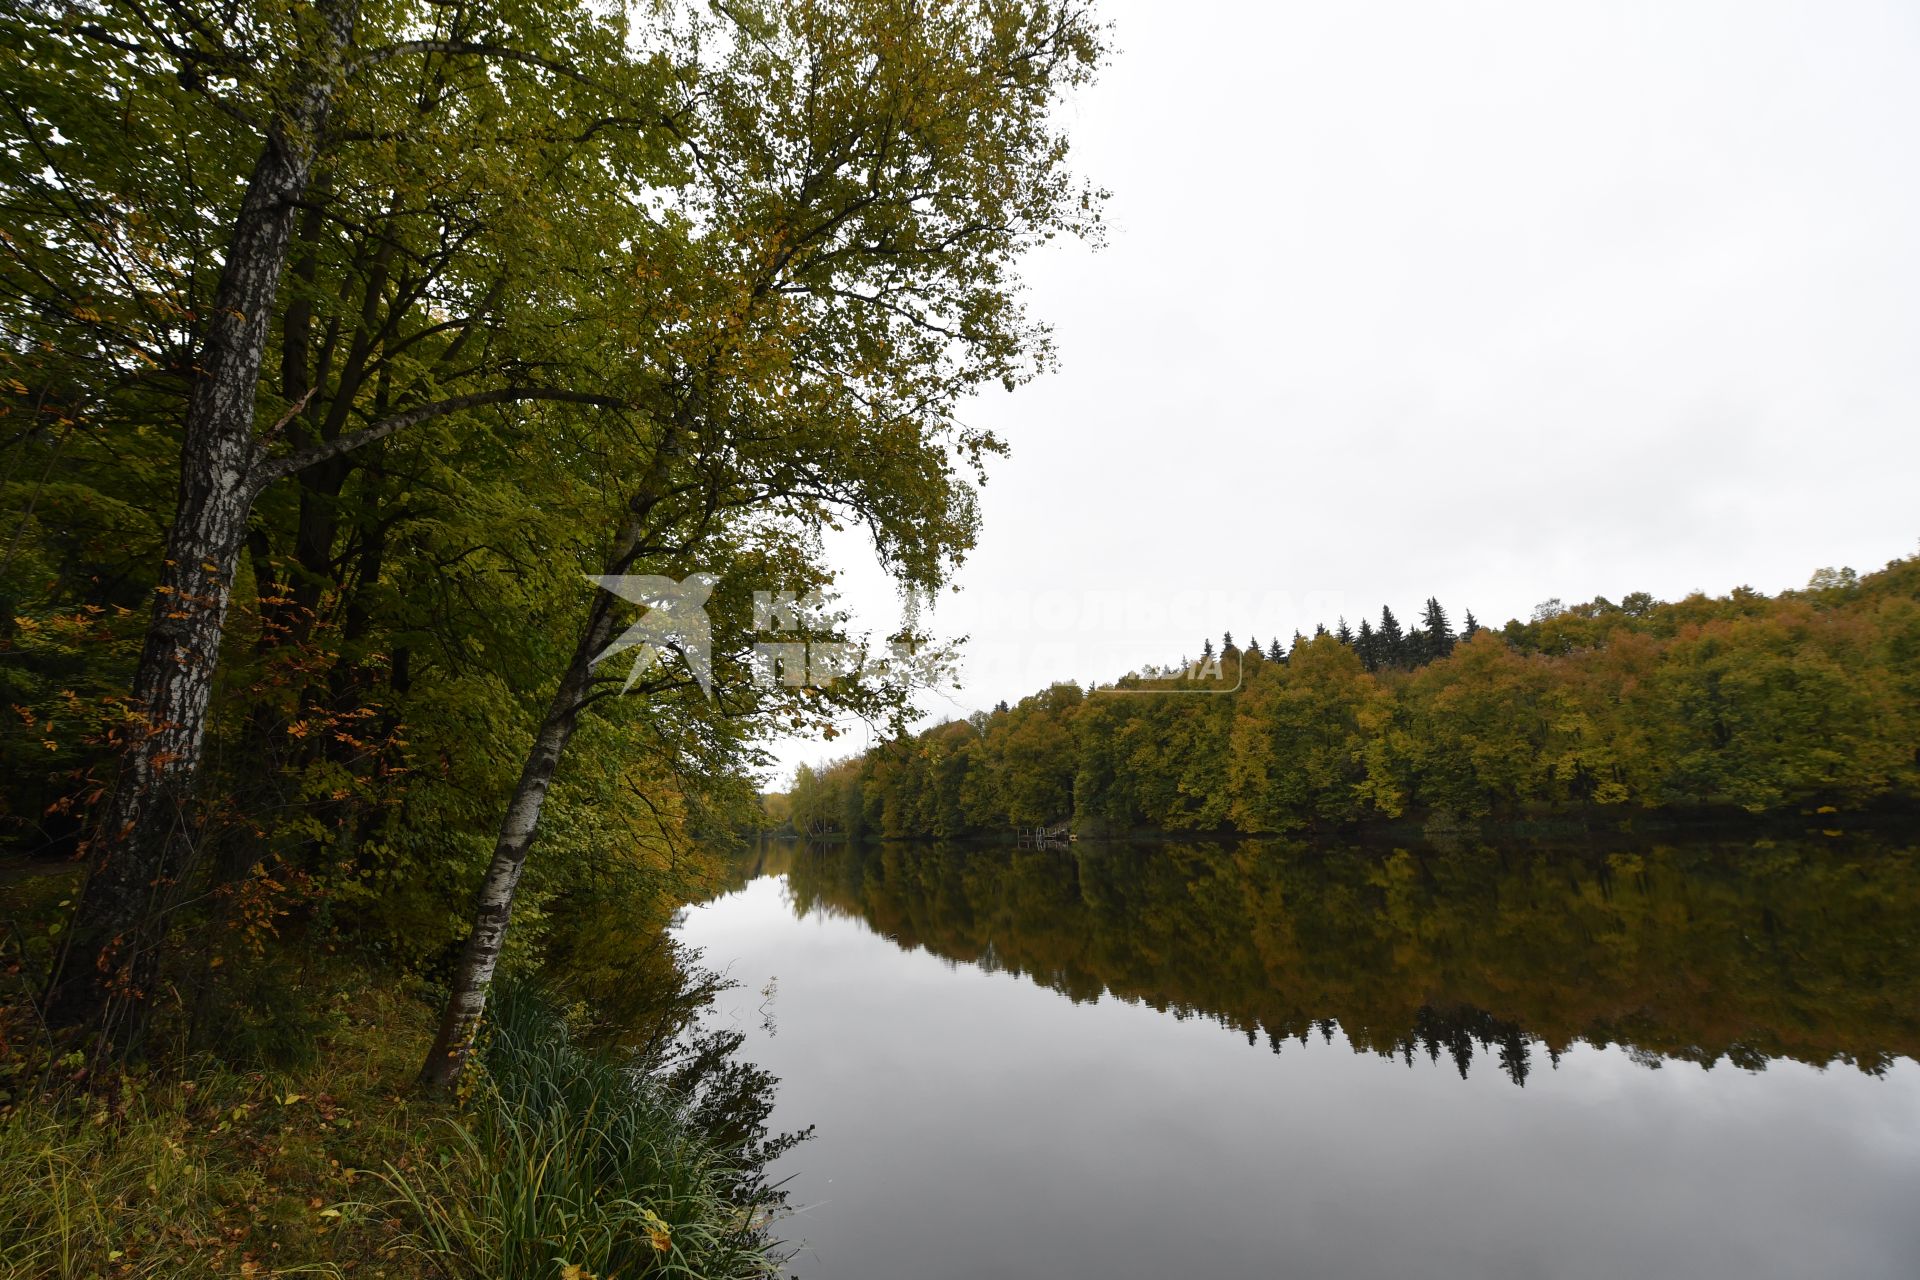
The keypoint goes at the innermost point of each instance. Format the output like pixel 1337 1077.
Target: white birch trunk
pixel 493 911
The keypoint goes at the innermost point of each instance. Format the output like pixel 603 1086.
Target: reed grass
pixel 576 1163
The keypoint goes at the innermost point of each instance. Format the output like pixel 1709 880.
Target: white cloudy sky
pixel 1491 301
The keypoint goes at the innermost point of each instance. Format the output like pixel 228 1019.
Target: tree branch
pixel 269 469
pixel 505 53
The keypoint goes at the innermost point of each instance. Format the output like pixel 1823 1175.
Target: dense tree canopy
pixel 1743 702
pixel 342 341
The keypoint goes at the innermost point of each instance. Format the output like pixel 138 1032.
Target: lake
pixel 1265 1058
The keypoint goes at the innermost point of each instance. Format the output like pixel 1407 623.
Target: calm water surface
pixel 1263 1059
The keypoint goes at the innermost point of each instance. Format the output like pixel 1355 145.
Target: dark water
pixel 1262 1059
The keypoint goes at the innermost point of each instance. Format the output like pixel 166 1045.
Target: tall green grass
pixel 578 1163
pixel 141 1182
pixel 74 1189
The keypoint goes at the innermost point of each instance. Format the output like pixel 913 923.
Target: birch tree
pixel 872 172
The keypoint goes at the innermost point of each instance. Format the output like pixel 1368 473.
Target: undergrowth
pixel 578 1162
pixel 559 1162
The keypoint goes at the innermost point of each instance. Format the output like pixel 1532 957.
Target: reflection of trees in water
pixel 1703 953
pixel 1456 1031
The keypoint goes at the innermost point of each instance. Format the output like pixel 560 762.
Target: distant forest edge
pixel 1744 702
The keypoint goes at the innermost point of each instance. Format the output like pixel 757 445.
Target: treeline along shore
pixel 1718 707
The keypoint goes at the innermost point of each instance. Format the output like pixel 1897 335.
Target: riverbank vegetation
pixel 405 407
pixel 612 1160
pixel 1729 705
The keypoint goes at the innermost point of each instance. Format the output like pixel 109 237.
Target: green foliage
pixel 567 289
pixel 206 1170
pixel 718 278
pixel 209 1172
pixel 1811 699
pixel 575 1159
pixel 79 1194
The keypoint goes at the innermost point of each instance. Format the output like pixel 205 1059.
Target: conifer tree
pixel 1419 647
pixel 1439 633
pixel 1274 652
pixel 1344 632
pixel 1471 627
pixel 1393 641
pixel 1367 645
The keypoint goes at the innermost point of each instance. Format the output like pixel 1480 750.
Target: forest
pixel 373 371
pixel 347 350
pixel 1715 707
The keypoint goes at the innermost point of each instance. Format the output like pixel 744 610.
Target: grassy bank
pixel 216 1172
pixel 575 1163
pixel 558 1162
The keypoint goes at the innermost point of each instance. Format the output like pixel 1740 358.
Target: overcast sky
pixel 1490 301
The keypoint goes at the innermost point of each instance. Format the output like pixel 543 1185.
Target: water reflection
pixel 1713 953
pixel 975 1034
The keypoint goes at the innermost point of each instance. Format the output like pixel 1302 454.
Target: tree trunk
pixel 142 845
pixel 493 910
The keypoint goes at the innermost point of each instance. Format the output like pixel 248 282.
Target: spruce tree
pixel 1367 645
pixel 1439 634
pixel 1393 641
pixel 1419 647
pixel 1274 652
pixel 1344 632
pixel 1471 628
